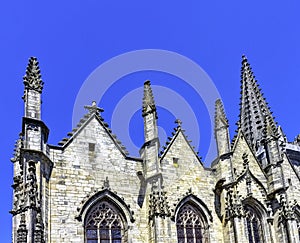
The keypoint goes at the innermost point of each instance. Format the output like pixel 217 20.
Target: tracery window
pixel 253 225
pixel 190 225
pixel 104 224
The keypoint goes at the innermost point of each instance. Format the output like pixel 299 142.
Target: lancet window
pixel 191 227
pixel 253 225
pixel 104 224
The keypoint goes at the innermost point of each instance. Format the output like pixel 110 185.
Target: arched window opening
pixel 253 225
pixel 104 224
pixel 190 225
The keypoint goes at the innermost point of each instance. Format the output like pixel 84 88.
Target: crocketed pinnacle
pixel 148 100
pixel 270 128
pixel 220 117
pixel 253 106
pixel 32 78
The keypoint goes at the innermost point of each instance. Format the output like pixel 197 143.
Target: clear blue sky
pixel 72 38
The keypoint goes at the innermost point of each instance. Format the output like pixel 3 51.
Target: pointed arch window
pixel 191 227
pixel 104 224
pixel 253 225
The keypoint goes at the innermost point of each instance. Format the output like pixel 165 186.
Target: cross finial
pixel 93 108
pixel 178 122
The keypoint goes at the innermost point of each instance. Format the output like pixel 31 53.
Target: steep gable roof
pixel 94 113
pixel 178 130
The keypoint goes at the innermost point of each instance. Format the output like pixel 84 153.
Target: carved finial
pixel 106 184
pixel 93 108
pixel 178 122
pixel 270 128
pixel 17 149
pixel 220 117
pixel 148 99
pixel 32 78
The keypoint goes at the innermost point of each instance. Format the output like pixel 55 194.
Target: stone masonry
pixel 89 189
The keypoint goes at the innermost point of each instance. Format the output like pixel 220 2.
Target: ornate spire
pixel 148 99
pixel 32 78
pixel 253 106
pixel 220 117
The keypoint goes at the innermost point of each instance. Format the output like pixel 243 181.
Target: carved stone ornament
pixel 233 205
pixel 32 78
pixel 22 231
pixel 158 204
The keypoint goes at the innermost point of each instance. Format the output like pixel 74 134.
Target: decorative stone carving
pixel 287 210
pixel 94 109
pixel 17 150
pixel 31 186
pixel 148 100
pixel 22 231
pixel 39 229
pixel 106 184
pixel 32 78
pixel 158 204
pixel 233 205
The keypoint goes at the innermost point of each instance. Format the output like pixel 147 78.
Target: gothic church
pixel 89 189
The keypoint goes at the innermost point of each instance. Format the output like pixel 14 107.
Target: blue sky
pixel 71 39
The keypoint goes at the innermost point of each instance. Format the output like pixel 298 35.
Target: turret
pixel 32 166
pixel 149 151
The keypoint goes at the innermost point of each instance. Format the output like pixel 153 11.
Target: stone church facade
pixel 89 189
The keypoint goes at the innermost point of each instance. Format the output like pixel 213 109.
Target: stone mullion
pixel 194 233
pixel 252 231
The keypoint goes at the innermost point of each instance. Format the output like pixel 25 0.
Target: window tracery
pixel 104 224
pixel 190 225
pixel 253 225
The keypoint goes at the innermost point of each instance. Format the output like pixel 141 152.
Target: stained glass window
pixel 103 224
pixel 190 225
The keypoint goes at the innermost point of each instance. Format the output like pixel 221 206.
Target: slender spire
pixel 253 106
pixel 220 117
pixel 221 129
pixel 32 78
pixel 148 99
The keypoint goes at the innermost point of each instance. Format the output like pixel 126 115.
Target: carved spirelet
pixel 17 150
pixel 39 229
pixel 158 204
pixel 287 209
pixel 31 186
pixel 22 230
pixel 32 79
pixel 233 205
